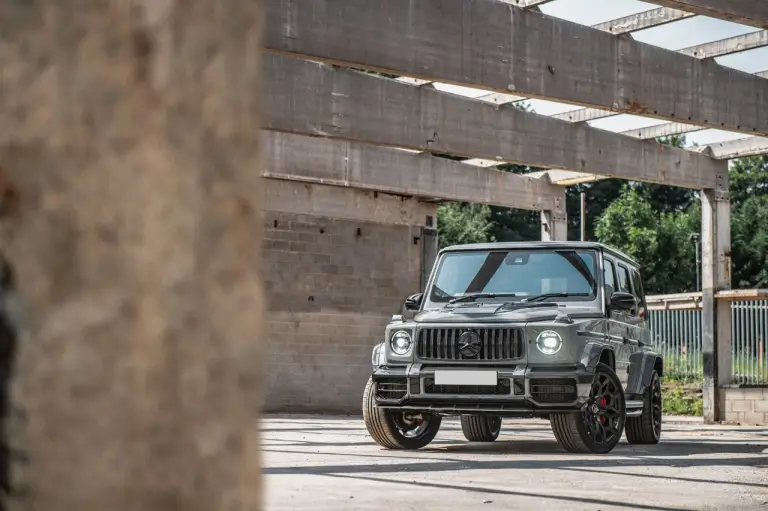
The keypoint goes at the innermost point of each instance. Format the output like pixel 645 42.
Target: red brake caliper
pixel 603 403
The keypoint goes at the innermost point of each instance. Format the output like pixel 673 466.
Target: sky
pixel 673 36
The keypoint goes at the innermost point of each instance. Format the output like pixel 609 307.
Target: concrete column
pixel 716 276
pixel 554 222
pixel 130 216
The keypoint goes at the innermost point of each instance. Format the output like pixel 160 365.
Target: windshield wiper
pixel 552 295
pixel 473 296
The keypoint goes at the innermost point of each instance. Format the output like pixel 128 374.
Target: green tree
pixel 463 223
pixel 749 232
pixel 660 242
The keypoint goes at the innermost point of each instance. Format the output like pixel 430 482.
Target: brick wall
pixel 331 285
pixel 746 406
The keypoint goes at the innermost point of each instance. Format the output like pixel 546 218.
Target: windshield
pixel 515 275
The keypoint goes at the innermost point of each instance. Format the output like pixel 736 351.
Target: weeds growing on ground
pixel 682 398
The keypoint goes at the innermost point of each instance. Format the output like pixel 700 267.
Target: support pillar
pixel 716 276
pixel 130 218
pixel 554 222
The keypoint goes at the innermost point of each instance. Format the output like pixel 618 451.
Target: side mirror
pixel 623 301
pixel 413 302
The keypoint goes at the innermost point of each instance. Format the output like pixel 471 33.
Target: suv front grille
pixel 553 390
pixel 502 388
pixel 494 344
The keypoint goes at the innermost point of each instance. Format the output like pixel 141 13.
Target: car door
pixel 617 323
pixel 642 331
pixel 634 321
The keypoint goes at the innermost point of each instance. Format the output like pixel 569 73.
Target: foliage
pixel 681 399
pixel 660 242
pixel 463 223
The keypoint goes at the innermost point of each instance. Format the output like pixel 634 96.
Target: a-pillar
pixel 554 222
pixel 716 276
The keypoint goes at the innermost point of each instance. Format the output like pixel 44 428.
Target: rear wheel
pixel 481 428
pixel 397 430
pixel 646 428
pixel 598 427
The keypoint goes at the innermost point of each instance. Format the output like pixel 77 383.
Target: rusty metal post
pixel 130 215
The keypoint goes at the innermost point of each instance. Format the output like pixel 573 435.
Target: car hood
pixel 496 313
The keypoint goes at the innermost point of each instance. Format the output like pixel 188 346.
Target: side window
pixel 637 287
pixel 625 285
pixel 608 274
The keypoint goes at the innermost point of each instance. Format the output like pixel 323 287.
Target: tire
pixel 385 426
pixel 645 429
pixel 481 428
pixel 585 431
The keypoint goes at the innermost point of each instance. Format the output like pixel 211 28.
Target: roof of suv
pixel 541 244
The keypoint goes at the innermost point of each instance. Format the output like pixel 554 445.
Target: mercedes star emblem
pixel 469 344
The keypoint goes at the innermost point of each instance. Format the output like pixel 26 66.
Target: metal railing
pixel 675 321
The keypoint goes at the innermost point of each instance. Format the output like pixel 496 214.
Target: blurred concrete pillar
pixel 130 213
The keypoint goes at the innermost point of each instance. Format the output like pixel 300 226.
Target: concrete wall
pixel 746 406
pixel 338 263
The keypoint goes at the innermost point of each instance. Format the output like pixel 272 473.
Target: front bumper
pixel 521 390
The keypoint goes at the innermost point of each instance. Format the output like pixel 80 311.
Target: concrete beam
pixel 728 46
pixel 527 4
pixel 567 177
pixel 743 147
pixel 584 115
pixel 643 20
pixel 747 12
pixel 501 48
pixel 285 196
pixel 762 74
pixel 315 99
pixel 342 163
pixel 662 130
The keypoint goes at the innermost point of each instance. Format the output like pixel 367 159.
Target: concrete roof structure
pixel 371 82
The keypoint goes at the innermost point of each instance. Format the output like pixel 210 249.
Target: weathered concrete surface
pixel 322 463
pixel 748 12
pixel 338 264
pixel 499 47
pixel 315 99
pixel 343 163
pixel 129 135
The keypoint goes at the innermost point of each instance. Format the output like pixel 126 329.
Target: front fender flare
pixel 593 350
pixel 641 366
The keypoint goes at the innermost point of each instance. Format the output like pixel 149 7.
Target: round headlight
pixel 400 342
pixel 549 342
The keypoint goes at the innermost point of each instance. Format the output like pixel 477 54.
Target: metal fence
pixel 677 334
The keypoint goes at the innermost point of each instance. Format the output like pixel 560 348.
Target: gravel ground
pixel 330 463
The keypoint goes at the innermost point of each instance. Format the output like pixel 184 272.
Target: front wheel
pixel 397 430
pixel 646 428
pixel 481 428
pixel 598 427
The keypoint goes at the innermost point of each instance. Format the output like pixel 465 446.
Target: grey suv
pixel 554 330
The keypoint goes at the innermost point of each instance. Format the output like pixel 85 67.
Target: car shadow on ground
pixel 670 454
